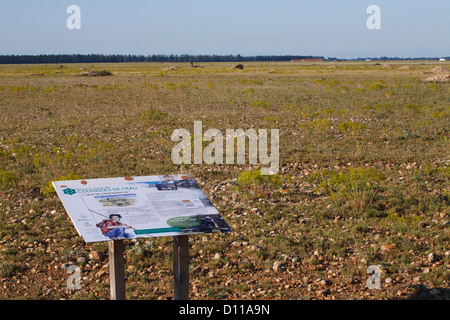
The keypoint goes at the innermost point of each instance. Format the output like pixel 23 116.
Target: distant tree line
pixel 115 58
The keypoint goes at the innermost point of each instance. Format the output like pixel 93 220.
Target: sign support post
pixel 181 267
pixel 116 269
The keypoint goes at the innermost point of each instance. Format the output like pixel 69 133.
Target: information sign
pixel 138 207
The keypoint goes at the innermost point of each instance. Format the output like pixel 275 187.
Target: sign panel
pixel 138 207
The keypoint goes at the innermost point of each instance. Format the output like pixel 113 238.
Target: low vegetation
pixel 363 179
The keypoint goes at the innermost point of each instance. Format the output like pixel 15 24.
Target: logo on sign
pixel 69 191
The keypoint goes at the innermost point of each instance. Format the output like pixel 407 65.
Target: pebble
pixel 277 265
pixel 235 244
pixel 423 224
pixel 81 260
pixel 326 282
pixel 432 257
pixel 96 255
pixel 385 248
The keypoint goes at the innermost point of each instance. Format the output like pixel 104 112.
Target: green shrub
pixel 260 103
pixel 252 182
pixel 403 223
pixel 320 124
pixel 7 179
pixel 413 107
pixel 376 86
pixel 355 187
pixel 153 115
pixel 254 177
pixel 352 126
pixel 8 269
pixel 49 190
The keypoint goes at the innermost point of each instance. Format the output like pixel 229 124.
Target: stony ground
pixel 363 179
pixel 232 266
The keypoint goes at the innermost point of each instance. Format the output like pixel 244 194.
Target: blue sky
pixel 332 28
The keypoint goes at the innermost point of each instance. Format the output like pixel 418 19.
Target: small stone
pixel 385 248
pixel 432 257
pixel 235 244
pixel 217 256
pixel 423 224
pixel 81 260
pixel 96 255
pixel 277 265
pixel 388 280
pixel 326 282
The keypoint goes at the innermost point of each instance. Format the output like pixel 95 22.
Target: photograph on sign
pixel 138 207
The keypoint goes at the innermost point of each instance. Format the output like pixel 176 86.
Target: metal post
pixel 181 267
pixel 116 269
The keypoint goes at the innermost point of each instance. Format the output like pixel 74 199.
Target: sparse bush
pixel 252 182
pixel 320 124
pixel 260 103
pixel 355 187
pixel 401 223
pixel 153 115
pixel 49 190
pixel 142 251
pixel 413 107
pixel 376 86
pixel 7 179
pixel 351 126
pixel 8 269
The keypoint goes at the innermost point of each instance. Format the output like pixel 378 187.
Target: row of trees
pixel 100 58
